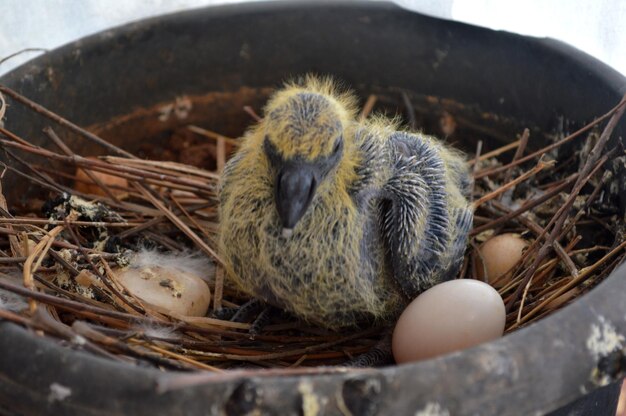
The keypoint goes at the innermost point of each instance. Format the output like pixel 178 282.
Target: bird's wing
pixel 418 225
pixel 369 168
pixel 463 219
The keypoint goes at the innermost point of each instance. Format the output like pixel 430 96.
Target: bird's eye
pixel 271 152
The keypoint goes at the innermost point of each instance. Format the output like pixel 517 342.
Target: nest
pixel 562 198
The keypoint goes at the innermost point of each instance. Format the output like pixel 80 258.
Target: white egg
pixel 448 317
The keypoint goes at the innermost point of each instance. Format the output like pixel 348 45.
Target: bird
pixel 340 221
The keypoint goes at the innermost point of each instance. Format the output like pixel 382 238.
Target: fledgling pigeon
pixel 340 221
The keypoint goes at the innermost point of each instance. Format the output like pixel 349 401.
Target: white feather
pixel 155 330
pixel 189 262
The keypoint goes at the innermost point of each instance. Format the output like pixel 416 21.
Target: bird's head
pixel 304 140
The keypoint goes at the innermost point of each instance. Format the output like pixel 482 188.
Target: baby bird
pixel 338 221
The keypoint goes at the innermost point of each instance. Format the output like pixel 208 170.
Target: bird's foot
pixel 240 313
pixel 264 318
pixel 225 314
pixel 246 312
pixel 379 355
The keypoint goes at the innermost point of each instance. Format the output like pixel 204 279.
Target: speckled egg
pixel 168 288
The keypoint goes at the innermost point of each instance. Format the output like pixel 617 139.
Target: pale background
pixel 598 27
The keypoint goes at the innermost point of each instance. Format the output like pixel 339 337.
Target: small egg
pixel 84 183
pixel 168 288
pixel 448 317
pixel 500 254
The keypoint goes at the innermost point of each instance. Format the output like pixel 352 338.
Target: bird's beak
pixel 295 187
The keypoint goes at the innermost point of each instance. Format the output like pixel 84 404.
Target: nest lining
pixel 563 202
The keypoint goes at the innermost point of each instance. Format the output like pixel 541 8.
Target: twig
pixel 290 353
pixel 191 219
pixel 96 312
pixel 584 273
pixel 567 261
pixel 494 153
pixel 526 207
pixel 559 218
pixel 101 277
pixel 93 335
pixel 48 323
pixel 522 219
pixel 165 167
pixel 180 357
pixel 477 157
pixel 479 149
pixel 213 135
pixel 3 106
pixel 530 251
pixel 21 51
pixel 619 107
pixel 538 168
pixel 63 122
pixel 57 140
pixel 219 288
pixel 178 223
pixel 29 269
pixel 410 111
pixel 550 266
pixel 368 107
pixel 252 113
pixel 121 171
pixel 523 141
pixel 220 155
pixel 45 181
pixel 42 221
